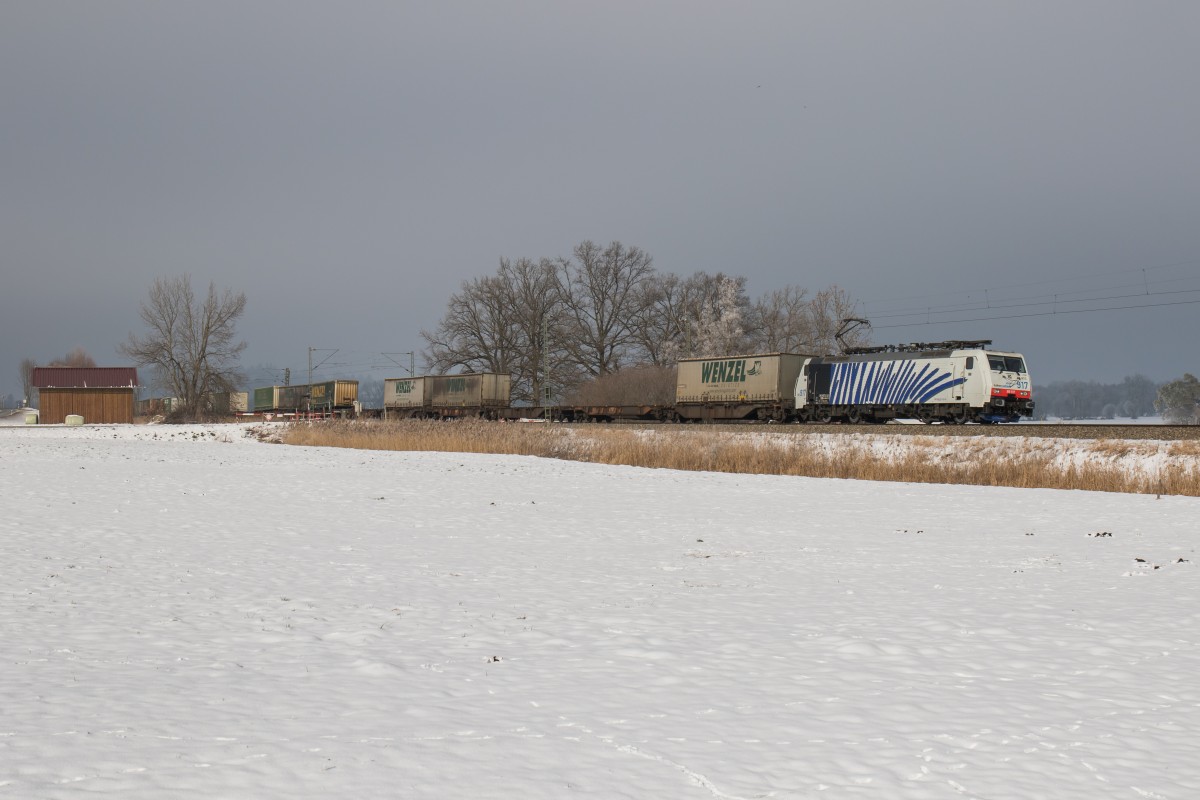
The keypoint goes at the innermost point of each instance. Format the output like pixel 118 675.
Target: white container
pixel 762 378
pixel 403 392
pixel 73 420
pixel 31 418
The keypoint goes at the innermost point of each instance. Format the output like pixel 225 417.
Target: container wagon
pixel 331 395
pixel 483 394
pixel 266 398
pixel 751 387
pixel 325 397
pixel 403 397
pixel 469 391
pixel 229 402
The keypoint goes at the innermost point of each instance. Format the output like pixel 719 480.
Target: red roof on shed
pixel 84 377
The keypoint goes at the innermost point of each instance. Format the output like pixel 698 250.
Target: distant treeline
pixel 1133 397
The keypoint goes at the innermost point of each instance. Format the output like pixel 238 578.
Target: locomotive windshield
pixel 1006 363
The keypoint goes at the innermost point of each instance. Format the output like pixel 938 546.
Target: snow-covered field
pixel 188 613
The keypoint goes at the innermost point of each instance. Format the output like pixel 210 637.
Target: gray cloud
pixel 348 165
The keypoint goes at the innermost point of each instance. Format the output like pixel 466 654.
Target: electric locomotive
pixel 953 382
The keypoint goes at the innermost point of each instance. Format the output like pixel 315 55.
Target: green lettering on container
pixel 732 370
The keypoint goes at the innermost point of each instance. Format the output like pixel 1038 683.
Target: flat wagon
pixel 331 395
pixel 403 393
pixel 481 394
pixel 751 387
pixel 325 397
pixel 266 398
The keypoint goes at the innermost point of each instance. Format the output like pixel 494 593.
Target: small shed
pixel 98 394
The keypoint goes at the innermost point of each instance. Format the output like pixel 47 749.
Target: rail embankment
pixel 1106 465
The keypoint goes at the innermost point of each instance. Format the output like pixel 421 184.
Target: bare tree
pixel 712 310
pixel 477 331
pixel 789 321
pixel 602 293
pixel 531 294
pixel 502 323
pixel 824 317
pixel 778 322
pixel 27 390
pixel 192 342
pixel 76 358
pixel 1138 394
pixel 661 322
pixel 720 328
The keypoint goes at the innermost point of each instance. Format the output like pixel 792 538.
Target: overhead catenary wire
pixel 1050 313
pixel 1056 301
pixel 1083 294
pixel 1098 298
pixel 1074 279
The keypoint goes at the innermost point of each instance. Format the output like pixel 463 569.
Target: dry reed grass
pixel 1184 449
pixel 1105 466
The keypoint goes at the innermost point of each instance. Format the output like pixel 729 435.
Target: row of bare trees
pixel 566 321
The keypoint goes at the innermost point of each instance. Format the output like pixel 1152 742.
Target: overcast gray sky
pixel 347 165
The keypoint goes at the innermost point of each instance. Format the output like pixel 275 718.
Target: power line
pixel 1036 314
pixel 1055 301
pixel 1066 279
pixel 1143 287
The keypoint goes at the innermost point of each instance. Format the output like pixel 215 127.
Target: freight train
pixel 953 382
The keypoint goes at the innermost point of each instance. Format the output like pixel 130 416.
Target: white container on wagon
pixel 760 386
pixel 403 392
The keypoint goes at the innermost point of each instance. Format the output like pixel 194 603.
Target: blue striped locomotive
pixel 954 382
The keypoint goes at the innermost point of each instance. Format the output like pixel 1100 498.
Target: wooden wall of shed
pixel 94 405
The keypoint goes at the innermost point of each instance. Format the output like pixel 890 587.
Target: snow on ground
pixel 189 613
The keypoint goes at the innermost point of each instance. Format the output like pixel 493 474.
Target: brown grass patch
pixel 1185 449
pixel 1109 467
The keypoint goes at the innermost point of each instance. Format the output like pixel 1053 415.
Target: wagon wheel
pixel 822 416
pixel 925 416
pixel 853 415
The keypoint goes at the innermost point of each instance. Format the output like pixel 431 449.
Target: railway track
pixel 1042 431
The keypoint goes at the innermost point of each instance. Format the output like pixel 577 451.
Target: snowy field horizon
pixel 190 612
